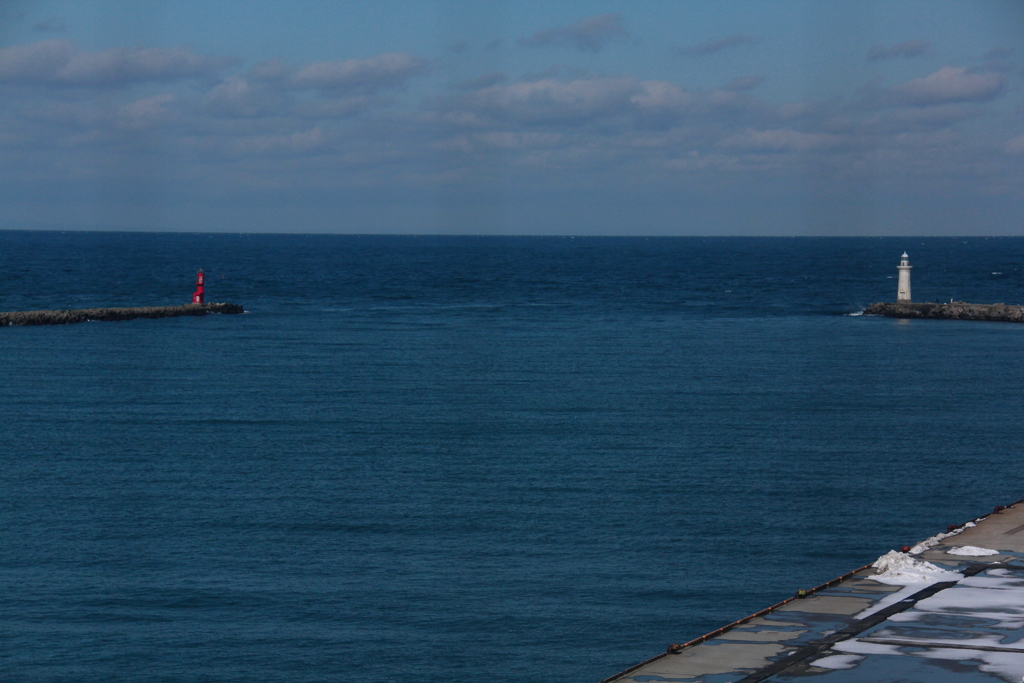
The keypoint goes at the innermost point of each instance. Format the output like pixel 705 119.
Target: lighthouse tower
pixel 903 288
pixel 197 296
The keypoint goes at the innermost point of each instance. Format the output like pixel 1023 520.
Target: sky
pixel 648 117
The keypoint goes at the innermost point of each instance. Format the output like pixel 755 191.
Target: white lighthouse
pixel 903 288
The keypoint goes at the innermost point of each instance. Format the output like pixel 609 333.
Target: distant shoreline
pixel 67 317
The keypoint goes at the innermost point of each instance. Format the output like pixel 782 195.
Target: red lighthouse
pixel 197 297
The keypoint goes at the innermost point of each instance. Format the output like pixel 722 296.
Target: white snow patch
pixel 996 581
pixel 938 538
pixel 998 598
pixel 855 646
pixel 971 551
pixel 999 601
pixel 984 641
pixel 900 569
pixel 1007 665
pixel 837 662
pixel 1006 583
pixel 890 599
pixel 906 616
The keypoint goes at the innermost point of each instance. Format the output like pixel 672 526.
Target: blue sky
pixel 647 117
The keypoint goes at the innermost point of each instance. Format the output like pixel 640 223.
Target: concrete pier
pixel 86 314
pixel 957 310
pixel 963 622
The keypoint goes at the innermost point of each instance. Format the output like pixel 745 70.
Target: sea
pixel 426 459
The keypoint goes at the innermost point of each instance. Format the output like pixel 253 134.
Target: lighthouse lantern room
pixel 903 286
pixel 197 296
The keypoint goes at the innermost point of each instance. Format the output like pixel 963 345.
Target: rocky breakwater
pixel 957 310
pixel 87 314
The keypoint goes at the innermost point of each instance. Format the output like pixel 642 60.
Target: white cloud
pixel 694 161
pixel 319 123
pixel 53 24
pixel 784 140
pixel 745 83
pixel 939 115
pixel 715 46
pixel 588 35
pixel 1015 145
pixel 36 62
pixel 368 75
pixel 518 140
pixel 338 108
pixel 551 100
pixel 793 110
pixel 939 138
pixel 948 84
pixel 60 62
pixel 911 48
pixel 484 81
pixel 504 139
pixel 145 113
pixel 238 97
pixel 270 70
pixel 662 95
pixel 297 143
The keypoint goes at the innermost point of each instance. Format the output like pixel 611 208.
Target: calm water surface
pixel 473 459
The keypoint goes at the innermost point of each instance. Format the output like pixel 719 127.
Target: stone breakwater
pixel 87 314
pixel 958 310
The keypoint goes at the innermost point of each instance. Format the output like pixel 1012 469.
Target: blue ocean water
pixel 473 459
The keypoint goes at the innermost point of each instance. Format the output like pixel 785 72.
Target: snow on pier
pixel 951 608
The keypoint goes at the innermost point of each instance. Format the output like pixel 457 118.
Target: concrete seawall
pixel 86 314
pixel 958 310
pixel 947 609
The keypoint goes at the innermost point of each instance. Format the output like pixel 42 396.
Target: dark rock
pixel 957 310
pixel 86 314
